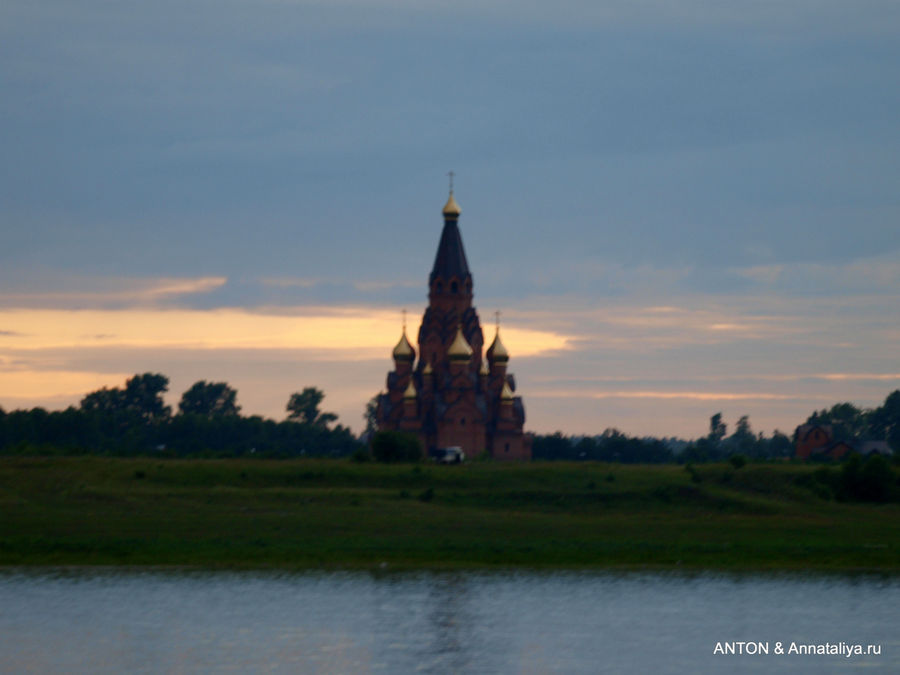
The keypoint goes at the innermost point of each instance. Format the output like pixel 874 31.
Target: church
pixel 454 396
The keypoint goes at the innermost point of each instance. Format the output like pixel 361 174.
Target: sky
pixel 678 208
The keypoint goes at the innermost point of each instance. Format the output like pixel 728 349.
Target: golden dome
pixel 404 351
pixel 410 390
pixel 506 393
pixel 451 208
pixel 459 350
pixel 497 352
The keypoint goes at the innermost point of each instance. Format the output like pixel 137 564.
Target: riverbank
pixel 337 514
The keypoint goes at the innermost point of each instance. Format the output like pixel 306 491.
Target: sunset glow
pixel 349 333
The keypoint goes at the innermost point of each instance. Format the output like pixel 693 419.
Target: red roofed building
pixel 812 438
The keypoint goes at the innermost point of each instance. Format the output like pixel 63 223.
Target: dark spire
pixel 450 260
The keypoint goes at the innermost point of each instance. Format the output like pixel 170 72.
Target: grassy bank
pixel 331 513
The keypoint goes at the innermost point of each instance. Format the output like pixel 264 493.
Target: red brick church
pixel 454 396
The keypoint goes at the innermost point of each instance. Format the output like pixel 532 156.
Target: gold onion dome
pixel 410 390
pixel 497 352
pixel 459 350
pixel 506 393
pixel 404 351
pixel 451 208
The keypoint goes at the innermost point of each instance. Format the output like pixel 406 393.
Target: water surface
pixel 152 622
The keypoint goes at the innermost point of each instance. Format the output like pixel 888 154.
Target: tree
pixel 141 398
pixel 885 421
pixel 847 421
pixel 104 400
pixel 210 400
pixel 396 446
pixel 129 419
pixel 717 429
pixel 780 445
pixel 303 407
pixel 552 446
pixel 743 440
pixel 371 415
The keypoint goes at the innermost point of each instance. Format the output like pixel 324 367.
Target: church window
pixel 439 287
pixel 454 287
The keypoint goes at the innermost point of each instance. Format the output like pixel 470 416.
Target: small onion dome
pixel 410 390
pixel 404 351
pixel 427 370
pixel 451 208
pixel 506 394
pixel 497 353
pixel 459 350
pixel 484 368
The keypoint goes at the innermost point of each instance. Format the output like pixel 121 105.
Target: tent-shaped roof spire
pixel 450 260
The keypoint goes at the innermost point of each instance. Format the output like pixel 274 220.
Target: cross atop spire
pixel 451 174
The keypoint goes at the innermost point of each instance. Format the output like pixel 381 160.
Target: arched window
pixel 439 287
pixel 454 287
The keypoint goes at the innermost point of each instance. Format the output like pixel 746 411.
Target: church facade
pixel 454 395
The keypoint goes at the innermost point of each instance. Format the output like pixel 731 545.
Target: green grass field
pixel 337 514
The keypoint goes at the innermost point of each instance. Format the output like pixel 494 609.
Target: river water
pixel 514 622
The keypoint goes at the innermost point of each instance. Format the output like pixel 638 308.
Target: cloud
pixel 37 385
pixel 863 377
pixel 286 282
pixel 346 333
pixel 878 274
pixel 80 292
pixel 688 395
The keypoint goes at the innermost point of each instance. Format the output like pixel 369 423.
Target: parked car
pixel 452 455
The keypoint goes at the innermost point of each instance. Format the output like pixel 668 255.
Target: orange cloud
pixel 41 384
pixel 357 333
pixel 691 395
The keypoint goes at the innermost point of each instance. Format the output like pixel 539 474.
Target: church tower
pixel 454 395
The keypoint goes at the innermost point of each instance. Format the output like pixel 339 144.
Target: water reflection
pixel 146 622
pixel 449 631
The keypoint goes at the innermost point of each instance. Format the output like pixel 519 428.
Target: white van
pixel 452 455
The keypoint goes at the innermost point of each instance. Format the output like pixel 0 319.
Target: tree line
pixel 135 419
pixel 848 423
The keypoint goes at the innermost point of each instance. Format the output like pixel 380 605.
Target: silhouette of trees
pixel 884 422
pixel 396 446
pixel 209 399
pixel 846 420
pixel 141 399
pixel 717 429
pixel 303 407
pixel 134 419
pixel 849 423
pixel 370 415
pixel 610 446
